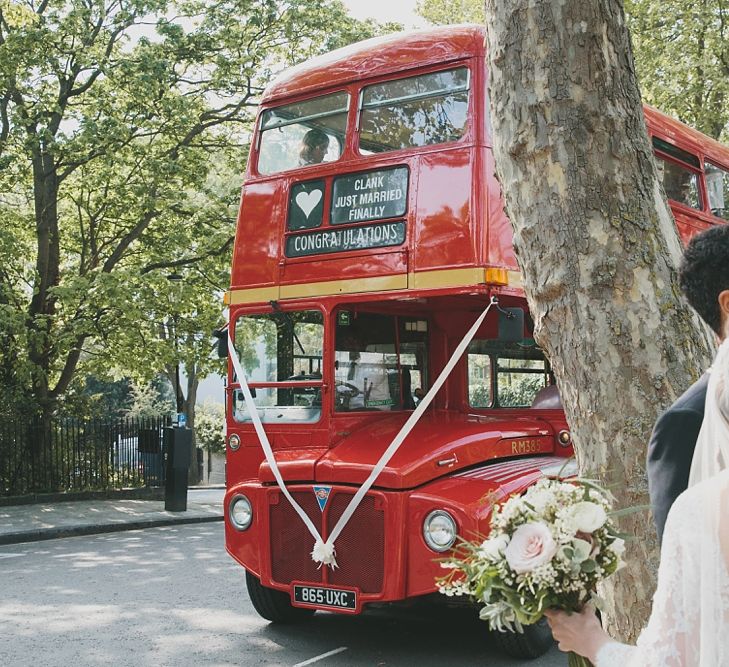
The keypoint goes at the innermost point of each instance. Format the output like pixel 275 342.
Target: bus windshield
pixel 276 348
pixel 379 361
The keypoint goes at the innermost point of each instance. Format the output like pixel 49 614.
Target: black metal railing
pixel 69 454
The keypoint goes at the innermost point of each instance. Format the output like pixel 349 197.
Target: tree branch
pixel 190 260
pixel 127 240
pixel 69 368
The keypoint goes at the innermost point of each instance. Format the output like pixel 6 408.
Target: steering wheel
pixel 352 390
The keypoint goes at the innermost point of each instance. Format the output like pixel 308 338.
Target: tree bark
pixel 43 304
pixel 597 246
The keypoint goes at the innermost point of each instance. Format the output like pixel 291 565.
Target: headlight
pixel 233 442
pixel 439 530
pixel 564 438
pixel 240 512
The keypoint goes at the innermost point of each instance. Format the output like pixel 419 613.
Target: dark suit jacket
pixel 671 449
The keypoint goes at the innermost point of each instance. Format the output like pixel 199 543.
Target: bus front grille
pixel 291 542
pixel 360 548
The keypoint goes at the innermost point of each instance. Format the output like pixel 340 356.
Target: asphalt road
pixel 172 597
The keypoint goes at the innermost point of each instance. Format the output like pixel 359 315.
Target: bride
pixel 689 622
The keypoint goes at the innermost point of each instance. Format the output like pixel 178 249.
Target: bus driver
pixel 361 377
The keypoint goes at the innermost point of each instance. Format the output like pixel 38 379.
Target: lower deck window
pixel 276 348
pixel 505 375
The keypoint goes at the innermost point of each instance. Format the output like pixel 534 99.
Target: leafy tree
pixel 210 428
pixel 114 117
pixel 101 398
pixel 445 13
pixel 149 400
pixel 682 59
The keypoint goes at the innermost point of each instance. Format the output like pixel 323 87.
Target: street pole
pixel 178 396
pixel 176 278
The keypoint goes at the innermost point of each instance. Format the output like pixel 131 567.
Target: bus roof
pixel 376 56
pixel 684 136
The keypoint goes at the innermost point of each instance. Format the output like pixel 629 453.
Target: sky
pixel 402 11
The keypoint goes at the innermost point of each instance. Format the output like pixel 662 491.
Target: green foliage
pixel 99 399
pixel 681 52
pixel 521 391
pixel 209 427
pixel 446 13
pixel 150 400
pixel 121 149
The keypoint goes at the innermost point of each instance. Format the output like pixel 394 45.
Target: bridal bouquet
pixel 547 548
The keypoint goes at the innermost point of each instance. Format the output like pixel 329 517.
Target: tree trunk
pixel 43 304
pixel 597 246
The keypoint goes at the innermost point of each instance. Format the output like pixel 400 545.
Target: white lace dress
pixel 689 622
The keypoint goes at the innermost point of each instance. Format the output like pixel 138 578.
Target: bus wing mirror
pixel 222 344
pixel 511 325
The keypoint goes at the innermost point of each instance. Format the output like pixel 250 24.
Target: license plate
pixel 323 597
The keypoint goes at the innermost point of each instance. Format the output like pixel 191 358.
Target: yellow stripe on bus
pixel 378 284
pixel 399 281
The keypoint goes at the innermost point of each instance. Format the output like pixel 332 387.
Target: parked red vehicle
pixel 371 236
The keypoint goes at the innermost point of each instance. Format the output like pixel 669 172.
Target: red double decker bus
pixel 371 237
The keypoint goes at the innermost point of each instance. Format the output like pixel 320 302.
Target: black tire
pixel 273 605
pixel 534 642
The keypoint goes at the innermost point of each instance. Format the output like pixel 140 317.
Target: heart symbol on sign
pixel 307 201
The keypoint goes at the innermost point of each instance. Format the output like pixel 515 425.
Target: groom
pixel 704 280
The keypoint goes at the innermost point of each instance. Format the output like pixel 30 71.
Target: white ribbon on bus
pixel 324 552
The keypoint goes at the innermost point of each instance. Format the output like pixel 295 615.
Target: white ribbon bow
pixel 323 552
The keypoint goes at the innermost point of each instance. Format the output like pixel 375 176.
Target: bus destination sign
pixel 370 195
pixel 338 240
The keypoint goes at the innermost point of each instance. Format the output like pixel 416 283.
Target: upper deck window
pixel 680 182
pixel 717 189
pixel 417 111
pixel 302 134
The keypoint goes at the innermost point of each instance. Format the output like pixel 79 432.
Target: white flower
pixel 617 546
pixel 540 499
pixel 531 545
pixel 493 548
pixel 566 523
pixel 588 517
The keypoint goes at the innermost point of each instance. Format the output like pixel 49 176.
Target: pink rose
pixel 531 545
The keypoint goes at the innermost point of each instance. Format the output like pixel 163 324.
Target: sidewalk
pixel 51 520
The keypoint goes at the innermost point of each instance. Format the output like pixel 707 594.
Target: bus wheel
pixel 273 605
pixel 534 642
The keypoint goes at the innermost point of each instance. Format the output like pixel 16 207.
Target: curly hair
pixel 704 273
